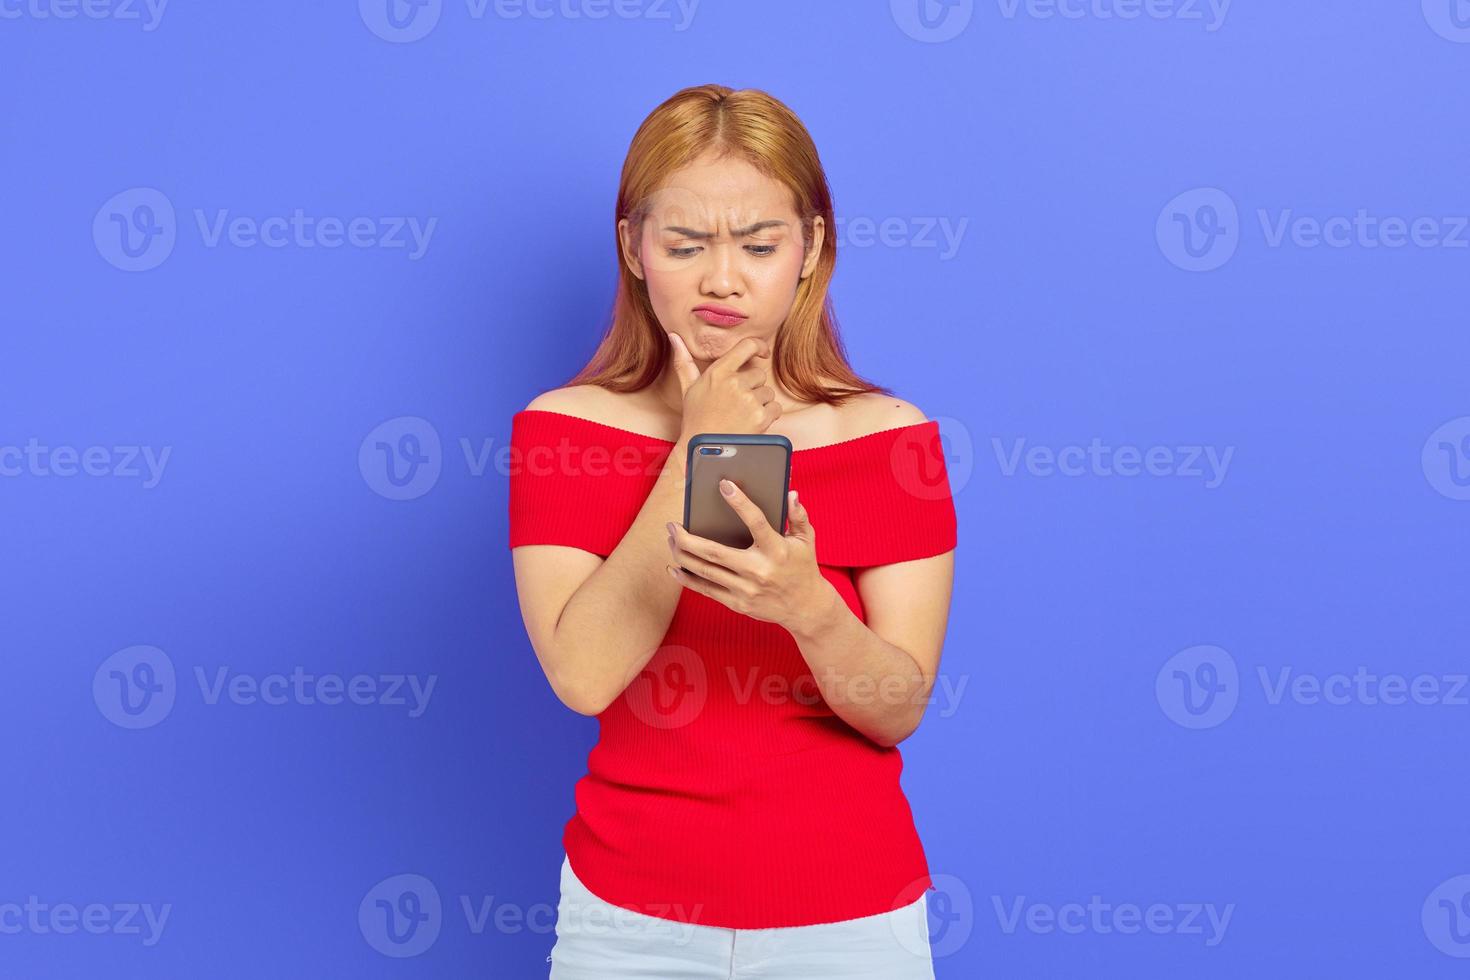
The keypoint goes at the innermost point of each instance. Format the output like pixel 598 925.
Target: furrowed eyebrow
pixel 737 232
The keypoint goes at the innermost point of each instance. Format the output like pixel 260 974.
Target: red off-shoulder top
pixel 722 789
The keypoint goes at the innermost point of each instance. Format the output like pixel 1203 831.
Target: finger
pixel 708 570
pixel 734 358
pixel 751 377
pixel 749 513
pixel 735 559
pixel 798 522
pixel 704 587
pixel 684 367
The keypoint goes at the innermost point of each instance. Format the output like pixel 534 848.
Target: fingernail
pixel 670 527
pixel 672 574
pixel 726 487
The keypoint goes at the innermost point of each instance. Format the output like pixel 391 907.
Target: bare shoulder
pixel 631 411
pixel 584 401
pixel 874 412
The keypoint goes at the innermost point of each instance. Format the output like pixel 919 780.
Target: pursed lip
pixel 719 310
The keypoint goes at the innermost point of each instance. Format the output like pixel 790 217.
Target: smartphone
pixel 760 465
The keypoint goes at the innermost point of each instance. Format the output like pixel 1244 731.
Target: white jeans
pixel 599 941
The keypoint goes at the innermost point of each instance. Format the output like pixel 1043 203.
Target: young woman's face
pixel 721 234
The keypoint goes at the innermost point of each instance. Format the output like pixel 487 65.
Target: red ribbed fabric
pixel 722 789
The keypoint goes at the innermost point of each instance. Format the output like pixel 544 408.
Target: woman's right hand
pixel 733 394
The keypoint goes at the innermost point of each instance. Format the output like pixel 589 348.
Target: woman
pixel 741 814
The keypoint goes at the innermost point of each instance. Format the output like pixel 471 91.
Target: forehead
pixel 729 190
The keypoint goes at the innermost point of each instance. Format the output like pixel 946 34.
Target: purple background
pixel 1073 765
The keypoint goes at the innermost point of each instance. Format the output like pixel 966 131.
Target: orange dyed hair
pixel 757 127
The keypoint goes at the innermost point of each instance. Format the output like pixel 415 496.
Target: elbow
pixel 579 697
pixel 583 704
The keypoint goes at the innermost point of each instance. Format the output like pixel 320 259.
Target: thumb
pixel 798 522
pixel 684 366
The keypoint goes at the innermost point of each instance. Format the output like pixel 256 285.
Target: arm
pixel 878 676
pixel 571 598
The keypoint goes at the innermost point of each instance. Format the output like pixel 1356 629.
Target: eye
pixel 761 249
pixel 682 253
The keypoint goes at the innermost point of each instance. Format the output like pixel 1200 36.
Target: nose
pixel 722 269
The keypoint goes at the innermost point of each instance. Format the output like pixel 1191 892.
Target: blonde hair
pixel 750 124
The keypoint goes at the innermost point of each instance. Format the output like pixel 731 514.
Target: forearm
pixel 613 624
pixel 874 686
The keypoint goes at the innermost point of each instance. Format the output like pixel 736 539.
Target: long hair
pixel 808 356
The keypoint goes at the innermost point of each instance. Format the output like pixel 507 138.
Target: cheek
pixel 667 286
pixel 778 275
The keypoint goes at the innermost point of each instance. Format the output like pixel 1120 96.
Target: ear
pixel 631 240
pixel 814 250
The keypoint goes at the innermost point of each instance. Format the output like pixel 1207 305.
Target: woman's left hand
pixel 776 579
